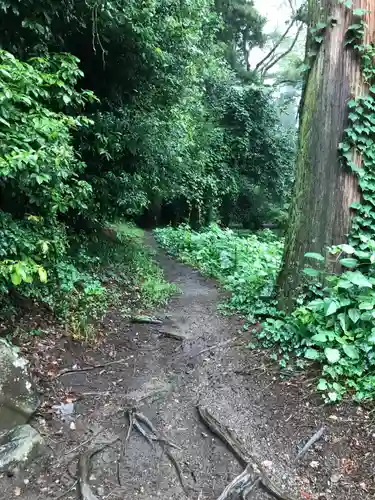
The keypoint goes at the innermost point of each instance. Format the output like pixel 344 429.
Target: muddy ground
pixel 165 379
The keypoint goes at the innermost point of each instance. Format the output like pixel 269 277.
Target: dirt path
pixel 165 379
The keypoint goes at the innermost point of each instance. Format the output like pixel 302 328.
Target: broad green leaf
pixel 322 385
pixel 311 353
pixel 332 308
pixel 360 12
pixel 357 278
pixel 362 255
pixel 345 284
pixel 42 274
pixel 347 249
pixel 319 337
pixel 333 396
pixel 16 278
pixel 332 355
pixel 316 305
pixel 351 351
pixel 366 306
pixel 316 256
pixel 354 315
pixel 350 263
pixel 342 319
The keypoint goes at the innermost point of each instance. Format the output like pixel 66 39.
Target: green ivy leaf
pixel 357 278
pixel 319 337
pixel 316 256
pixel 347 248
pixel 351 351
pixel 332 355
pixel 311 353
pixel 332 308
pixel 316 305
pixel 345 284
pixel 354 315
pixel 322 385
pixel 309 271
pixel 360 12
pixel 350 263
pixel 333 396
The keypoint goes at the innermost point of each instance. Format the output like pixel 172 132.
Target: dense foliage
pixel 246 266
pixel 175 127
pixel 333 326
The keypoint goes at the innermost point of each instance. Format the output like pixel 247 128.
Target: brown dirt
pixel 165 379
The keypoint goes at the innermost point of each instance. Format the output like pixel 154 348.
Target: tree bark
pixel 324 191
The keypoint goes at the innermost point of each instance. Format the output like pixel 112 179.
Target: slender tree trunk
pixel 324 191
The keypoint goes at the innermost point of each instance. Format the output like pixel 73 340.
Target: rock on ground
pixel 19 446
pixel 18 398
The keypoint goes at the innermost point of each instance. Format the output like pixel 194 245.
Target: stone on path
pixel 19 446
pixel 18 398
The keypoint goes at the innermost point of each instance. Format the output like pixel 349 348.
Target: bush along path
pixel 173 406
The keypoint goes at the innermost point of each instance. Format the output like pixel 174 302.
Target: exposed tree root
pixel 154 435
pixel 124 445
pixel 253 475
pixel 310 443
pixel 83 472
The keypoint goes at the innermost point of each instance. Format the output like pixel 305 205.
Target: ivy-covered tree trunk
pixel 324 189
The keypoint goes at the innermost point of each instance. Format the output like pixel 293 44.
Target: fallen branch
pixel 65 371
pixel 310 443
pixel 146 319
pixel 253 471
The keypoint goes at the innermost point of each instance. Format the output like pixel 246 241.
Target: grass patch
pixel 109 268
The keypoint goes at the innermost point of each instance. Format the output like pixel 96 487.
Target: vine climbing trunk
pixel 324 189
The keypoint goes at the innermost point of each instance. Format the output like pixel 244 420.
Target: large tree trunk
pixel 324 190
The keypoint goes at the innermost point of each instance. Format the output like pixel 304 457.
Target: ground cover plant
pixel 247 267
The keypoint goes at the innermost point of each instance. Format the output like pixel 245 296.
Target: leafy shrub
pixel 246 266
pixel 336 328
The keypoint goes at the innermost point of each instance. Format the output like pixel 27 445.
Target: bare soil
pixel 165 379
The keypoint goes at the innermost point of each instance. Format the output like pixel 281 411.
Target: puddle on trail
pixel 65 411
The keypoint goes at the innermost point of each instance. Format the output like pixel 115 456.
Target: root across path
pixel 191 414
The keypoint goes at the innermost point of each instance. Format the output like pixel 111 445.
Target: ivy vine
pixel 358 142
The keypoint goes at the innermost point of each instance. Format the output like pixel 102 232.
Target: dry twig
pixel 65 371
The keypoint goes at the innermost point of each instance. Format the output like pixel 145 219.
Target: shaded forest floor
pixel 165 379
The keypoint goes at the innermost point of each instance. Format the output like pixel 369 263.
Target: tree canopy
pixel 140 109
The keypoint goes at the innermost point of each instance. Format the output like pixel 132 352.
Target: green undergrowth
pixel 109 268
pixel 333 327
pixel 246 266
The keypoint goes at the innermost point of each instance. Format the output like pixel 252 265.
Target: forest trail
pixel 165 379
